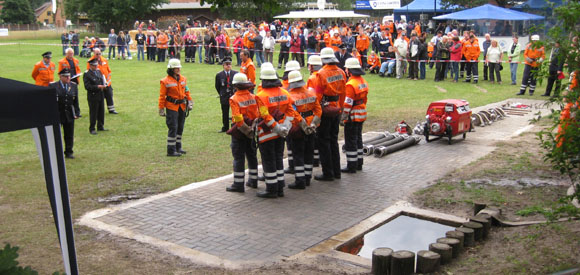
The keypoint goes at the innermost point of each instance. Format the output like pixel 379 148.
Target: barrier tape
pixel 274 51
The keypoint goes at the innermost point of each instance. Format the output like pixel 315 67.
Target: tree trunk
pixel 456 235
pixel 403 263
pixel 428 261
pixel 454 243
pixel 444 250
pixel 469 236
pixel 381 260
pixel 477 228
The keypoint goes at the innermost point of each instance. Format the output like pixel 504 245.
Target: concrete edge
pixel 570 192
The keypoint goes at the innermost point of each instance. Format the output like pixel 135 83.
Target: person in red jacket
pixel 174 103
pixel 354 115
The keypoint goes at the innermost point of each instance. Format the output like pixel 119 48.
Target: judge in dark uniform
pixel 224 88
pixel 68 107
pixel 95 85
pixel 342 55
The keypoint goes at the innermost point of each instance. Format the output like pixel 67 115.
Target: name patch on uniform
pixel 303 101
pixel 183 83
pixel 170 85
pixel 362 86
pixel 334 78
pixel 276 99
pixel 247 103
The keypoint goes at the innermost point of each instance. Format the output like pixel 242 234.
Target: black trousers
pixel 272 153
pixel 328 146
pixel 290 153
pixel 462 65
pixel 440 70
pixel 303 150
pixel 493 69
pixel 109 98
pixel 529 79
pixel 151 53
pixel 189 50
pixel 551 79
pixel 471 71
pixel 68 129
pixel 225 116
pixel 353 144
pixel 96 113
pixel 413 69
pixel 175 121
pixel 161 55
pixel 283 57
pixel 363 58
pixel 244 148
pixel 486 69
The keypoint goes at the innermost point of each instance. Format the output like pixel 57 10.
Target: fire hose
pixel 368 149
pixel 383 151
pixel 382 137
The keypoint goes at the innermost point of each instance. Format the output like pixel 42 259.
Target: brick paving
pixel 241 227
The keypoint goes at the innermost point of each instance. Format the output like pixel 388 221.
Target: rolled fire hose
pixel 369 149
pixel 381 137
pixel 383 151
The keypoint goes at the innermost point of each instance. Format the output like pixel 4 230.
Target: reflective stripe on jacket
pixel 42 74
pixel 174 89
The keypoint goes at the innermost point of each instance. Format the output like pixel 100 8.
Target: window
pixel 48 13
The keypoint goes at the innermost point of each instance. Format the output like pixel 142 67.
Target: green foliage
pixel 560 209
pixel 9 265
pixel 17 12
pixel 253 10
pixel 117 14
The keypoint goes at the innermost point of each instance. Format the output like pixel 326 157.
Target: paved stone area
pixel 243 228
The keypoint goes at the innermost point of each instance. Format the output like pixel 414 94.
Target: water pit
pixel 404 232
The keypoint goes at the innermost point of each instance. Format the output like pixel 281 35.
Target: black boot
pixel 289 170
pixel 323 177
pixel 179 150
pixel 348 169
pixel 298 184
pixel 171 152
pixel 261 177
pixel 307 181
pixel 235 188
pixel 281 185
pixel 359 165
pixel 271 191
pixel 252 183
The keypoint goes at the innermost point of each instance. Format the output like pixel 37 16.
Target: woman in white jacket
pixel 493 59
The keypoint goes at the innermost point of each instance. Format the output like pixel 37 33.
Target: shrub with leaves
pixel 9 265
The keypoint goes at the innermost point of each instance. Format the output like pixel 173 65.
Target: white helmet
pixel 535 37
pixel 268 73
pixel 294 76
pixel 327 53
pixel 174 63
pixel 292 65
pixel 240 78
pixel 267 65
pixel 315 60
pixel 352 63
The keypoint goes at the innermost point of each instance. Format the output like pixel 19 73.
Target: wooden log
pixel 485 220
pixel 402 263
pixel 469 236
pixel 456 235
pixel 428 261
pixel 444 250
pixel 477 228
pixel 454 243
pixel 381 261
pixel 478 207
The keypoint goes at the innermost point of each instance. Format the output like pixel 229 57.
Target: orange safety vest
pixel 271 100
pixel 63 63
pixel 162 41
pixel 534 54
pixel 312 83
pixel 471 50
pixel 306 103
pixel 357 56
pixel 362 42
pixel 177 90
pixel 355 103
pixel 249 70
pixel 243 105
pixel 430 49
pixel 43 74
pixel 104 68
pixel 332 81
pixel 335 42
pixel 374 61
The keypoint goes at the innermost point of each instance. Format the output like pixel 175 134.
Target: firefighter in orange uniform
pixel 314 65
pixel 248 67
pixel 290 66
pixel 362 45
pixel 335 41
pixel 374 63
pixel 43 72
pixel 534 55
pixel 354 115
pixel 330 93
pixel 471 52
pixel 174 104
pixel 302 136
pixel 278 116
pixel 71 63
pixel 244 112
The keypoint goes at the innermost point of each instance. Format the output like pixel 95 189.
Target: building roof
pixel 40 10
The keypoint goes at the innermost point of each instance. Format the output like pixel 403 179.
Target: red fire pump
pixel 447 118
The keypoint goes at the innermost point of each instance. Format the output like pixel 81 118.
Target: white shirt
pixel 401 45
pixel 493 54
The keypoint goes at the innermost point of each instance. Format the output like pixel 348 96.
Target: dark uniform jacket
pixel 342 60
pixel 68 100
pixel 224 88
pixel 556 61
pixel 92 79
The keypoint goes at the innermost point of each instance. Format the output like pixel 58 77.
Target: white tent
pixel 321 14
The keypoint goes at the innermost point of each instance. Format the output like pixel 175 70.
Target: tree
pixel 251 9
pixel 17 12
pixel 111 13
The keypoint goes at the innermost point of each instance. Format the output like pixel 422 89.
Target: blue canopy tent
pixel 422 6
pixel 538 5
pixel 489 12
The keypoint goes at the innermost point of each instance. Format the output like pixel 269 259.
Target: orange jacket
pixel 355 102
pixel 63 63
pixel 104 68
pixel 312 83
pixel 177 90
pixel 374 61
pixel 357 56
pixel 247 42
pixel 430 49
pixel 162 41
pixel 392 27
pixel 418 30
pixel 535 54
pixel 305 101
pixel 332 81
pixel 271 100
pixel 471 50
pixel 249 69
pixel 335 41
pixel 43 74
pixel 362 42
pixel 243 105
pixel 326 39
pixel 228 42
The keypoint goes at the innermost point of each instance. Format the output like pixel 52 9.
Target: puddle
pixel 402 233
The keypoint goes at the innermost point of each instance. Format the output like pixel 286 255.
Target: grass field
pixel 130 158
